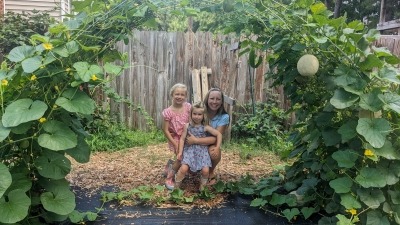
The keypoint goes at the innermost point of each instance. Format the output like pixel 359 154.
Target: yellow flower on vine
pixel 94 78
pixel 55 106
pixel 4 82
pixel 42 120
pixel 47 46
pixel 57 88
pixel 33 77
pixel 368 152
pixel 68 69
pixel 352 211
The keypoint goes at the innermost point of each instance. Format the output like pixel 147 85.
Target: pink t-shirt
pixel 176 122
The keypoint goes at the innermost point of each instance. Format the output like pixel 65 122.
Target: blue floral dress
pixel 196 156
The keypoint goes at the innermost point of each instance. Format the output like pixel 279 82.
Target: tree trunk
pixel 336 12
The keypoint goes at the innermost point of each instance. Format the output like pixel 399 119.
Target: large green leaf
pixel 348 130
pixel 85 71
pixel 5 179
pixel 307 212
pixel 350 81
pixel 374 130
pixel 371 101
pixel 345 158
pixel 387 151
pixel 20 53
pixel 74 100
pixel 390 74
pixel 372 61
pixel 349 201
pixel 113 69
pixel 371 177
pixel 4 132
pixel 391 101
pixel 20 180
pixel 291 213
pixel 343 99
pixel 60 201
pixel 72 47
pixel 395 196
pixel 375 217
pixel 371 197
pixel 81 153
pixel 341 184
pixel 58 137
pixel 331 137
pixel 22 111
pixel 53 165
pixel 30 65
pixel 16 208
pixel 390 175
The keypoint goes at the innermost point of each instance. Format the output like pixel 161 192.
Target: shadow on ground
pixel 236 210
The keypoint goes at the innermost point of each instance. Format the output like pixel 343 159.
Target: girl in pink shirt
pixel 175 118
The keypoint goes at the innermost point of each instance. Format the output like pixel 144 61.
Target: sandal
pixel 169 184
pixel 212 180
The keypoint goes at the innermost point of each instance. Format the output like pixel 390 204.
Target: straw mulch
pixel 130 168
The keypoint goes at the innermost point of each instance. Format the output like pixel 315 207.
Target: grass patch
pixel 118 137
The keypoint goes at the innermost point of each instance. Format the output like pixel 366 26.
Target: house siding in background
pixel 56 8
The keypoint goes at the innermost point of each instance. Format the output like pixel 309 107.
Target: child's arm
pixel 216 133
pixel 182 141
pixel 167 134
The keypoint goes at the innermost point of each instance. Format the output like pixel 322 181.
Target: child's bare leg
pixel 180 175
pixel 215 156
pixel 205 172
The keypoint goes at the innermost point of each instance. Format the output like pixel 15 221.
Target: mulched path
pixel 133 167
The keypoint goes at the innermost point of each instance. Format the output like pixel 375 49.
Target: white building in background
pixel 56 8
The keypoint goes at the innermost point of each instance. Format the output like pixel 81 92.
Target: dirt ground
pixel 130 168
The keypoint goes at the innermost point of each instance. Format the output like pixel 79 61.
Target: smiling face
pixel 198 116
pixel 179 96
pixel 214 101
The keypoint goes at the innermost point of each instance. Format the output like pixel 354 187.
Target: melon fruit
pixel 307 65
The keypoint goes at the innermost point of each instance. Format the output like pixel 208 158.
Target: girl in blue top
pixel 219 120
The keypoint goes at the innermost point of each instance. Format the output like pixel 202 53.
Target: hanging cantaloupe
pixel 307 65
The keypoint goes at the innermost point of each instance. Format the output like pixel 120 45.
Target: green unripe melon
pixel 307 65
pixel 24 144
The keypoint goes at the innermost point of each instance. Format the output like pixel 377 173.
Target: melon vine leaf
pixel 349 201
pixel 53 165
pixel 18 54
pixel 341 184
pixel 30 65
pixel 343 99
pixel 5 179
pixel 58 137
pixel 374 130
pixel 375 217
pixel 345 158
pixel 74 100
pixel 348 130
pixel 391 101
pixel 22 111
pixel 16 208
pixel 371 177
pixel 373 198
pixel 371 101
pixel 60 201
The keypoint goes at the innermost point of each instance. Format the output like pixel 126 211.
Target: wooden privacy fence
pixel 391 42
pixel 159 60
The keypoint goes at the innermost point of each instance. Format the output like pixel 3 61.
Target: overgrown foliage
pixel 45 93
pixel 265 127
pixel 15 28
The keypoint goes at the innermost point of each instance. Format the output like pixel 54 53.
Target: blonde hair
pixel 200 105
pixel 178 85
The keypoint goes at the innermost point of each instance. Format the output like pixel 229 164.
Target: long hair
pixel 200 105
pixel 221 109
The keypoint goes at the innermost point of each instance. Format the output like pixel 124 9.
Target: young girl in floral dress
pixel 196 157
pixel 175 118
